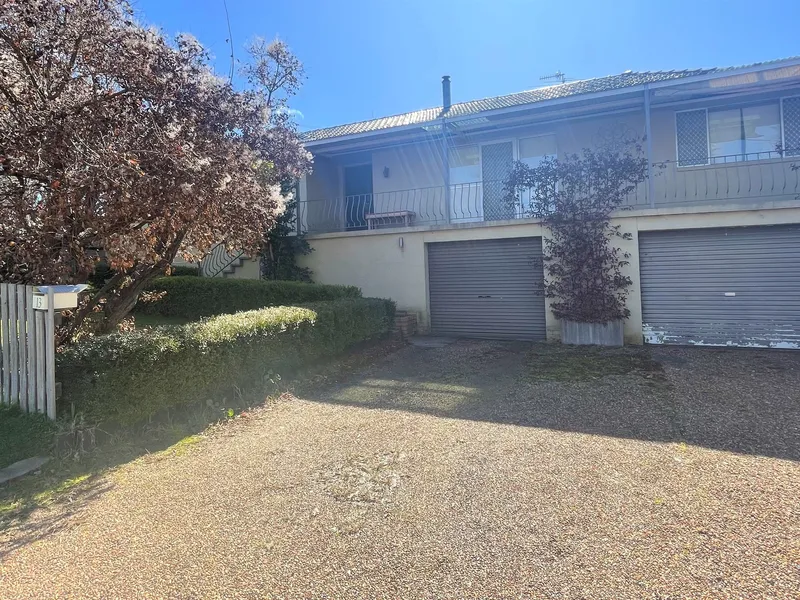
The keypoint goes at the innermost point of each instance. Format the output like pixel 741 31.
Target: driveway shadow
pixel 19 530
pixel 745 401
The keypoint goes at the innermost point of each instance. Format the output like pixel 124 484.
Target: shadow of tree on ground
pixel 68 484
pixel 737 400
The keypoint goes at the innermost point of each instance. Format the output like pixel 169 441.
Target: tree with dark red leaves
pixel 574 196
pixel 120 145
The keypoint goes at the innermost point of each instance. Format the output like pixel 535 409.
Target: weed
pixel 559 362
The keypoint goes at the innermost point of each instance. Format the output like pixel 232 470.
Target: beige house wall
pixel 324 183
pixel 411 166
pixel 410 178
pixel 322 198
pixel 393 264
pixel 250 269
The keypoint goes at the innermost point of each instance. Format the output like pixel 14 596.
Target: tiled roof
pixel 473 107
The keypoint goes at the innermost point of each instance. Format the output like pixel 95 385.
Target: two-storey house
pixel 411 207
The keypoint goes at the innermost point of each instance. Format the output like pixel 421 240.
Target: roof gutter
pixel 636 89
pixel 770 66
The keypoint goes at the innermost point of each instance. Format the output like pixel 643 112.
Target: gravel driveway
pixel 477 470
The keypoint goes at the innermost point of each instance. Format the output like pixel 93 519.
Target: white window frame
pixel 469 219
pixel 528 137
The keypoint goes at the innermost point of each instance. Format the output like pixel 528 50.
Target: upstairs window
pixel 714 136
pixel 749 133
pixel 465 165
pixel 533 150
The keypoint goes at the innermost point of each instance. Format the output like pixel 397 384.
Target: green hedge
pixel 184 271
pixel 126 377
pixel 196 297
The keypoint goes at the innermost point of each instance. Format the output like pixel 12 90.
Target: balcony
pixel 726 180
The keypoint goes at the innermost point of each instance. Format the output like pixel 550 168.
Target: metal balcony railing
pixel 751 178
pixel 732 178
pixel 219 262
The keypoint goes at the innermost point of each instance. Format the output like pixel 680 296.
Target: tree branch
pixel 10 96
pixel 68 77
pixel 23 61
pixel 23 173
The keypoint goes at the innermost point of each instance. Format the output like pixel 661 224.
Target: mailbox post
pixel 59 296
pixel 48 299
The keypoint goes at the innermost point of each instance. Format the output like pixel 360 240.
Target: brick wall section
pixel 405 324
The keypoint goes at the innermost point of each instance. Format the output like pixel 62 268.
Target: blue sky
pixel 372 58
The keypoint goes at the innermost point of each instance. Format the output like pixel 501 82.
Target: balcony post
pixel 651 195
pixel 446 170
pixel 302 196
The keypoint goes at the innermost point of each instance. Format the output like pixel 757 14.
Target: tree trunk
pixel 119 298
pixel 119 305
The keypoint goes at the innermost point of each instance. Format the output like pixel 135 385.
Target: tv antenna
pixel 557 76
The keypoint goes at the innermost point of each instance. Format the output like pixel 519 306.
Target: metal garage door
pixel 487 288
pixel 738 286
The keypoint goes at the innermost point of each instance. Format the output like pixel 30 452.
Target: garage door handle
pixel 484 296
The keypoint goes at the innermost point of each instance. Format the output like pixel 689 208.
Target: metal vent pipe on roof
pixel 446 103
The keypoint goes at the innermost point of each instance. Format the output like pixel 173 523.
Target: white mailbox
pixel 64 296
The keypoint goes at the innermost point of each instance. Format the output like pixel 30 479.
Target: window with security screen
pixel 791 126
pixel 692 132
pixel 736 134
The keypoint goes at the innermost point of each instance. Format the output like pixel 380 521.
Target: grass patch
pixel 23 435
pixel 47 496
pixel 182 446
pixel 560 362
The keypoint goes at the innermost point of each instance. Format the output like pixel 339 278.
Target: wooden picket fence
pixel 27 350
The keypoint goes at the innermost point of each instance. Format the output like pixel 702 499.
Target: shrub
pixel 126 377
pixel 196 297
pixel 184 271
pixel 574 197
